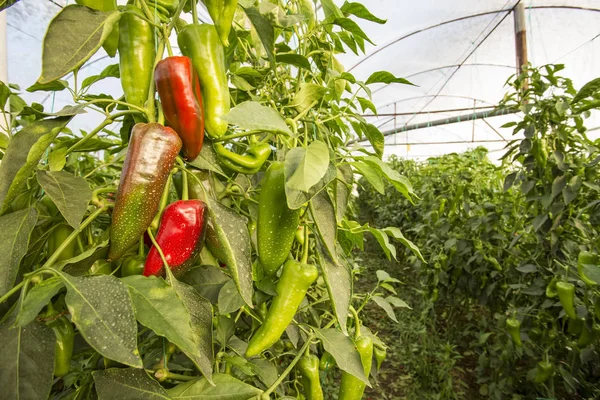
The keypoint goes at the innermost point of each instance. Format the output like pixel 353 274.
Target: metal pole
pixel 3 56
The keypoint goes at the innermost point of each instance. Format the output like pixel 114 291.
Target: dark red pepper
pixel 180 237
pixel 179 90
pixel 150 157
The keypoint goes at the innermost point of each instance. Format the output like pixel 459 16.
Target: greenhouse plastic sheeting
pixel 459 55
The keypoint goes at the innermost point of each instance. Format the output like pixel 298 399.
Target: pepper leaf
pixel 339 285
pixel 127 383
pixel 226 388
pixel 37 298
pixel 254 116
pixel 265 30
pixel 323 214
pixel 27 360
pixel 307 95
pixel 101 309
pixel 297 198
pixel 304 168
pixel 70 193
pixel 15 229
pixel 387 78
pixel 74 35
pixel 343 350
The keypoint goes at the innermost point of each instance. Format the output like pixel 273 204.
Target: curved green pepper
pixel 291 289
pixel 351 387
pixel 201 43
pixel 63 348
pixel 327 362
pixel 551 288
pixel 112 41
pixel 249 163
pixel 136 55
pixel 586 259
pixel 308 366
pixel 566 295
pixel 543 371
pixel 513 326
pixel 57 237
pixel 277 224
pixel 380 355
pixel 222 13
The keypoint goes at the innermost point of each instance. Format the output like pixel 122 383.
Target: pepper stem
pixel 160 252
pixel 141 246
pixel 305 247
pixel 194 12
pixel 356 322
pixel 184 186
pixel 288 370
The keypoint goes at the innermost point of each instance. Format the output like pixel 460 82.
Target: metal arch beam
pixel 439 95
pixel 462 19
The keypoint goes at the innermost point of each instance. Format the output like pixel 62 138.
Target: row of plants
pixel 152 261
pixel 512 251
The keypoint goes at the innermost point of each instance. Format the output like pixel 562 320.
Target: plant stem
pixel 194 12
pixel 287 371
pixel 12 291
pixel 160 252
pixel 90 135
pixel 150 102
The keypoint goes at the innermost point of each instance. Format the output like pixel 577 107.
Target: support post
pixel 520 36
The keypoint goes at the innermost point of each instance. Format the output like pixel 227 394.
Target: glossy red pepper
pixel 150 157
pixel 179 90
pixel 180 237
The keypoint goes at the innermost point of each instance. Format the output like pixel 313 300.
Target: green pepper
pixel 65 338
pixel 351 387
pixel 136 55
pixel 291 289
pixel 132 265
pixel 277 224
pixel 165 7
pixel 435 294
pixel 587 336
pixel 566 295
pixel 513 326
pixel 150 157
pixel 587 259
pixel 380 355
pixel 222 13
pixel 308 366
pixel 543 371
pixel 57 237
pixel 249 163
pixel 327 362
pixel 538 149
pixel 551 288
pixel 535 334
pixel 112 41
pixel 201 43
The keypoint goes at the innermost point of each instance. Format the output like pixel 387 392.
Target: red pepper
pixel 180 237
pixel 150 157
pixel 179 90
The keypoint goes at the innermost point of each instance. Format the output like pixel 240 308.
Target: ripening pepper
pixel 513 326
pixel 327 362
pixel 308 366
pixel 112 41
pixel 222 13
pixel 136 55
pixel 586 258
pixel 543 371
pixel 179 90
pixel 566 295
pixel 63 347
pixel 351 387
pixel 133 265
pixel 180 237
pixel 150 157
pixel 201 43
pixel 380 355
pixel 291 289
pixel 249 163
pixel 277 224
pixel 57 237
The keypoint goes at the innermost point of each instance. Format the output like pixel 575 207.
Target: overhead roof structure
pixel 459 55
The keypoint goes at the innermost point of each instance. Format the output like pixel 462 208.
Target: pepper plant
pixel 159 262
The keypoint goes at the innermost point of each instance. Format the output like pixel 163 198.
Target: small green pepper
pixel 513 326
pixel 249 163
pixel 551 288
pixel 543 371
pixel 587 259
pixel 566 295
pixel 132 265
pixel 327 362
pixel 351 387
pixel 380 355
pixel 308 366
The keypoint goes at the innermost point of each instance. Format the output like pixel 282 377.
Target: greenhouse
pixel 299 199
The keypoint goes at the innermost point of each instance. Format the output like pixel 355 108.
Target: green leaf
pixel 375 137
pixel 361 11
pixel 297 198
pixel 305 167
pixel 37 298
pixel 372 175
pixel 201 314
pixel 558 185
pixel 384 242
pixel 5 93
pixel 338 279
pixel 127 383
pixel 23 154
pixel 592 272
pixel 396 233
pixel 111 71
pixel 307 95
pixel 81 264
pixel 265 31
pixel 343 350
pixel 254 116
pixel 57 159
pixel 401 184
pixel 385 305
pixel 367 104
pixel 207 280
pixel 348 25
pixel 396 302
pixel 15 229
pixel 70 193
pixel 207 159
pixel 54 86
pixel 4 4
pixel 229 299
pixel 387 78
pixel 158 307
pixel 587 90
pixel 74 35
pixel 27 360
pixel 226 388
pixel 343 190
pixel 323 214
pixel 228 239
pixel 241 84
pixel 330 8
pixel 294 59
pixel 101 309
